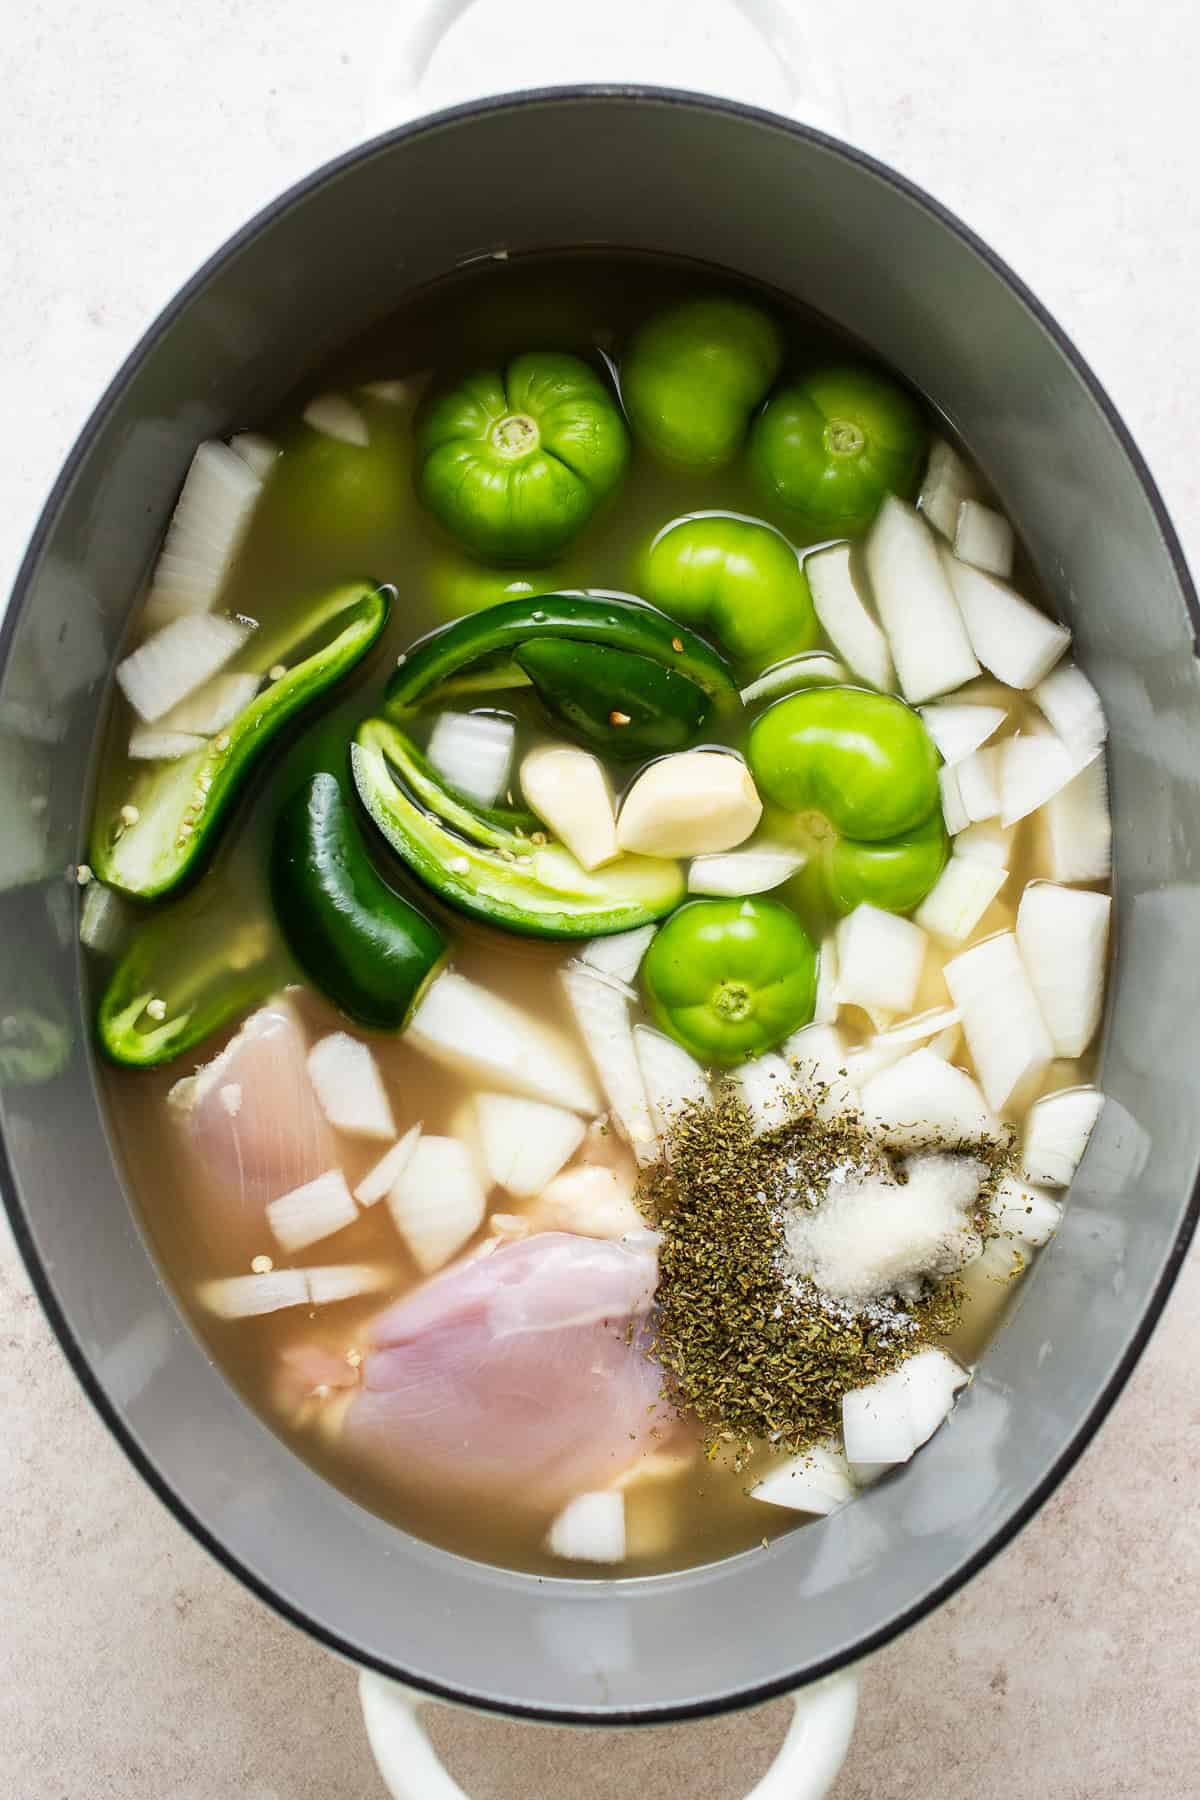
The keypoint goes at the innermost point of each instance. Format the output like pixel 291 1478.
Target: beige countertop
pixel 134 138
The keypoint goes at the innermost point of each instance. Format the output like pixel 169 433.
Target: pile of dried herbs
pixel 743 1351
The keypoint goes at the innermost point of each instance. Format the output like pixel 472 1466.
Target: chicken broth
pixel 368 473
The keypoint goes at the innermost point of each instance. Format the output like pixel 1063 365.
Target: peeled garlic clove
pixel 690 804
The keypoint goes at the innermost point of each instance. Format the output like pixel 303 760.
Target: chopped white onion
pixel 312 1212
pixel 525 1142
pixel 376 1183
pixel 879 959
pixel 919 1030
pixel 826 1003
pixel 948 482
pixel 214 706
pixel 334 416
pixel 819 1062
pixel 1057 1130
pixel 590 1528
pixel 403 390
pixel 102 918
pixel 602 1015
pixel 764 1087
pixel 959 897
pixel 987 841
pixel 208 525
pixel 947 1043
pixel 485 1039
pixel 1025 1212
pixel 978 780
pixel 1033 769
pixel 472 752
pixel 924 1099
pixel 1077 827
pixel 673 1079
pixel 344 1281
pixel 1062 933
pixel 1006 1034
pixel 817 1481
pixel 928 641
pixel 619 955
pixel 1011 638
pixel 814 669
pixel 148 744
pixel 177 660
pixel 251 1296
pixel 350 1088
pixel 984 538
pixel 954 813
pixel 754 870
pixel 258 453
pixel 1071 704
pixel 437 1201
pixel 888 1420
pixel 846 619
pixel 958 726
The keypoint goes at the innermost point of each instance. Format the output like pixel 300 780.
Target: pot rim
pixel 759 1693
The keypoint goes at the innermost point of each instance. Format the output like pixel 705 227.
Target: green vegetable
pixel 494 873
pixel 826 449
pixel 729 979
pixel 694 374
pixel 359 941
pixel 339 501
pixel 738 579
pixel 188 972
pixel 620 704
pixel 858 772
pixel 458 585
pixel 515 463
pixel 178 807
pixel 486 652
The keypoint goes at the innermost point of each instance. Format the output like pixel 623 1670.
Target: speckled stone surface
pixel 133 138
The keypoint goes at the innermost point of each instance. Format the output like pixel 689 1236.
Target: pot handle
pixel 810 79
pixel 806 1767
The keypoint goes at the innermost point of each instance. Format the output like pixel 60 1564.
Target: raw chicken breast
pixel 254 1127
pixel 523 1375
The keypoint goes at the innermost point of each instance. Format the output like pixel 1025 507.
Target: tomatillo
pixel 858 772
pixel 729 979
pixel 826 449
pixel 740 580
pixel 694 374
pixel 514 463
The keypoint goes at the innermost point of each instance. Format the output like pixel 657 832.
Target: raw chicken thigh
pixel 522 1375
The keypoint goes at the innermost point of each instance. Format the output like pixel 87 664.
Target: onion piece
pixel 437 1201
pixel 817 1481
pixel 846 619
pixel 1033 769
pixel 891 1418
pixel 177 660
pixel 983 537
pixel 312 1212
pixel 334 416
pixel 826 1003
pixel 210 521
pixel 213 706
pixel 376 1183
pixel 148 744
pixel 1025 1212
pixel 1057 1129
pixel 959 897
pixel 673 1079
pixel 344 1281
pixel 765 1089
pixel 525 1142
pixel 1006 1034
pixel 925 1026
pixel 472 752
pixel 987 841
pixel 957 726
pixel 754 870
pixel 1077 828
pixel 251 1296
pixel 948 482
pixel 1011 638
pixel 977 777
pixel 819 1062
pixel 880 956
pixel 912 592
pixel 954 813
pixel 814 669
pixel 258 453
pixel 1072 706
pixel 102 919
pixel 923 1099
pixel 1062 934
pixel 590 1528
pixel 602 1015
pixel 402 390
pixel 470 1030
pixel 619 955
pixel 347 1082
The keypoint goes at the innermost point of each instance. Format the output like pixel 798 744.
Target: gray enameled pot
pixel 670 173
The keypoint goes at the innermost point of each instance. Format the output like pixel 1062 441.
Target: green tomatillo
pixel 858 774
pixel 729 979
pixel 515 462
pixel 694 374
pixel 737 579
pixel 827 448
